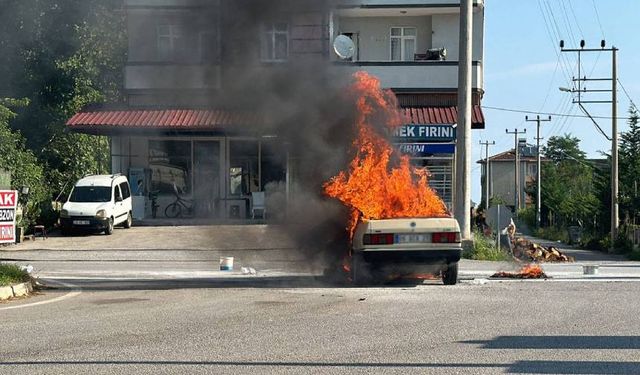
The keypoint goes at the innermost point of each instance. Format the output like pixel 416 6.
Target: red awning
pixel 169 119
pixel 102 122
pixel 442 115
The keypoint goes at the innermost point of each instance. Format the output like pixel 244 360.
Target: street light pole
pixel 516 202
pixel 538 172
pixel 486 172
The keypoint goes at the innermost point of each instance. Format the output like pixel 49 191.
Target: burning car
pixel 406 246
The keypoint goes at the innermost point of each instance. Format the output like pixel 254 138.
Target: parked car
pixel 405 247
pixel 97 203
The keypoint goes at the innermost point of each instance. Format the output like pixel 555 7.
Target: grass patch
pixel 12 274
pixel 484 248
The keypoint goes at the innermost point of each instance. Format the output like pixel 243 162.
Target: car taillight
pixel 445 237
pixel 378 239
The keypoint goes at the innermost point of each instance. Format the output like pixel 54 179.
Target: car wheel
pixel 129 221
pixel 450 275
pixel 360 271
pixel 109 230
pixel 65 232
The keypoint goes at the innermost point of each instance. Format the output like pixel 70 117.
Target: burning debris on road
pixel 530 271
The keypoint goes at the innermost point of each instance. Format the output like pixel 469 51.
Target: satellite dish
pixel 344 47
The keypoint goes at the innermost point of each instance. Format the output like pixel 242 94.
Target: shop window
pixel 244 176
pixel 273 166
pixel 170 164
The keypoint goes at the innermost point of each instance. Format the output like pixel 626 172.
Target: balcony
pixel 407 75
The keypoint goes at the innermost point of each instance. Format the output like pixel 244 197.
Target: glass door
pixel 206 178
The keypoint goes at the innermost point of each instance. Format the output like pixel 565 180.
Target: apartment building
pixel 189 61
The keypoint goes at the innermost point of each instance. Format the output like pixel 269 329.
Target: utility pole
pixel 486 171
pixel 463 140
pixel 615 217
pixel 516 202
pixel 538 120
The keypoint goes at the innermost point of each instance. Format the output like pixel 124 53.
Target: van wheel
pixel 109 230
pixel 129 221
pixel 450 274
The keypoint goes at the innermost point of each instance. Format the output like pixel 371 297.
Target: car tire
pixel 109 229
pixel 65 232
pixel 172 210
pixel 129 222
pixel 360 271
pixel 450 274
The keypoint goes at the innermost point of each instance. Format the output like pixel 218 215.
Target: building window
pixel 403 43
pixel 170 42
pixel 170 164
pixel 274 43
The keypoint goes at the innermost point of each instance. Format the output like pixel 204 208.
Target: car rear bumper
pixel 93 223
pixel 382 256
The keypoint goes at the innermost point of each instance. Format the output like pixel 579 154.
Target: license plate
pixel 413 238
pixel 81 222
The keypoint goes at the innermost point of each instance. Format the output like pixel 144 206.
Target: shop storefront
pixel 206 158
pixel 431 146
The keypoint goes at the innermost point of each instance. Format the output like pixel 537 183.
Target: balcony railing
pixel 421 74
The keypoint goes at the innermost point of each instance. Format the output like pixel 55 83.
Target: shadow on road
pixel 559 342
pixel 306 281
pixel 519 367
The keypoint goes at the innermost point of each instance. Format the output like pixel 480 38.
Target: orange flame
pixel 375 187
pixel 532 271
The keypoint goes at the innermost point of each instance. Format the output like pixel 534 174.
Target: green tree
pixel 62 56
pixel 568 190
pixel 629 164
pixel 21 163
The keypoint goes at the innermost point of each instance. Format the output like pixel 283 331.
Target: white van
pixel 97 202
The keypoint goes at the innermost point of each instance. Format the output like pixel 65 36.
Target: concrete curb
pixel 17 290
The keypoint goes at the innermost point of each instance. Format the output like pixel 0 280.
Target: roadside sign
pixel 8 205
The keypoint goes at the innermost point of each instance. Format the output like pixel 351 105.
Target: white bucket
pixel 226 264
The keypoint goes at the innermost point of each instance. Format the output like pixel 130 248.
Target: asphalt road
pixel 298 325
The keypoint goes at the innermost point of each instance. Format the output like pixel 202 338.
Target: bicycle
pixel 175 208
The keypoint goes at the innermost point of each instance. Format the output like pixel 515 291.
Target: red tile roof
pixel 443 115
pixel 219 120
pixel 169 119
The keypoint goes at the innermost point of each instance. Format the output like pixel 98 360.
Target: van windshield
pixel 91 194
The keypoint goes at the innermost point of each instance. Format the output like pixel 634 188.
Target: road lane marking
pixel 75 290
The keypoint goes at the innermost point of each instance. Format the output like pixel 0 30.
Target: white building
pixel 183 55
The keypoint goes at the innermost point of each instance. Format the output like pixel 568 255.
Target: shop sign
pixel 8 205
pixel 425 133
pixel 426 149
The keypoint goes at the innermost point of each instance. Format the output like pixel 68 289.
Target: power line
pixel 628 97
pixel 548 113
pixel 598 17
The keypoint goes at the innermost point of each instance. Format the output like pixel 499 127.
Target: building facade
pixel 179 130
pixel 501 176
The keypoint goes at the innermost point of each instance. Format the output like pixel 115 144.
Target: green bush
pixel 553 234
pixel 634 255
pixel 484 249
pixel 12 274
pixel 528 216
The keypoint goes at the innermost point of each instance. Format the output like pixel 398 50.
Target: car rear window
pixel 91 194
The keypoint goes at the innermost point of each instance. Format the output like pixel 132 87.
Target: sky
pixel 524 68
